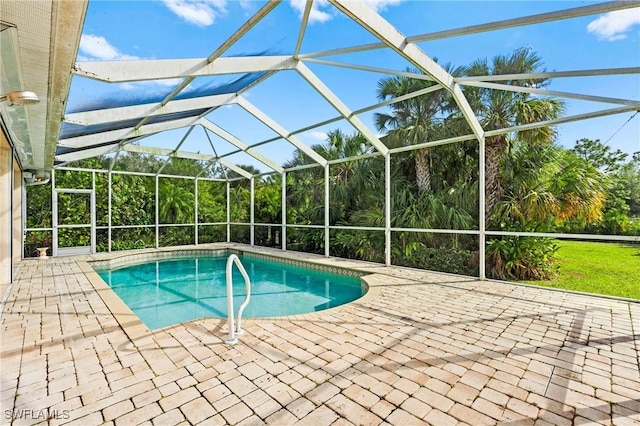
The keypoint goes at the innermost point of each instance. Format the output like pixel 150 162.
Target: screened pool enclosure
pixel 439 165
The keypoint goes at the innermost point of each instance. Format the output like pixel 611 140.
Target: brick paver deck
pixel 423 348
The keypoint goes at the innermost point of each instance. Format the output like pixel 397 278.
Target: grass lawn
pixel 603 268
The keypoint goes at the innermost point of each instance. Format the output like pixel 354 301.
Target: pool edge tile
pixel 133 327
pixel 136 329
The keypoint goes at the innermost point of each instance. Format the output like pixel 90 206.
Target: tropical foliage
pixel 532 185
pixel 620 179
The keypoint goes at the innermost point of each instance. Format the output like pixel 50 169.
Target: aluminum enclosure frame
pixel 120 140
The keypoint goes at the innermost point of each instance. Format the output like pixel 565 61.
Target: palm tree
pixel 499 109
pixel 413 121
pixel 544 186
pixel 547 185
pixel 305 189
pixel 355 187
pixel 347 179
pixel 176 204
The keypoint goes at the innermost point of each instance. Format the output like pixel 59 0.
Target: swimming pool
pixel 170 291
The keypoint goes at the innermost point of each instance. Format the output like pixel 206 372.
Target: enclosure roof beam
pixel 429 144
pixel 567 119
pixel 273 125
pixel 492 26
pixel 537 91
pixel 370 20
pixel 207 124
pixel 402 98
pixel 575 12
pixel 530 126
pixel 303 27
pixel 120 134
pixel 86 153
pixel 406 74
pixel 151 150
pixel 215 152
pixel 109 115
pixel 161 69
pixel 235 168
pixel 244 28
pixel 335 101
pixel 551 74
pixel 188 155
pixel 184 138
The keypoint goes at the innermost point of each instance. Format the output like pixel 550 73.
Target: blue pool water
pixel 168 292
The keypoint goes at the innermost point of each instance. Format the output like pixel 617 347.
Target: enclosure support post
pixel 283 234
pixel 157 212
pixel 326 210
pixel 109 174
pixel 387 209
pixel 228 211
pixel 482 241
pixel 196 210
pixel 54 214
pixel 93 211
pixel 23 188
pixel 252 210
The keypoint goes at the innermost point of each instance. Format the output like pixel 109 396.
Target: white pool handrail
pixel 232 339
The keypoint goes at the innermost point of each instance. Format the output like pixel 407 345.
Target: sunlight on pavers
pixel 423 348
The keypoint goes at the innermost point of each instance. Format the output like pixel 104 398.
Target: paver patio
pixel 422 348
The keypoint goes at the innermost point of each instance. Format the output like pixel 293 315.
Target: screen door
pixel 74 230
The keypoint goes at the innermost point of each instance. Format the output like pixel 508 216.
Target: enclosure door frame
pixel 69 251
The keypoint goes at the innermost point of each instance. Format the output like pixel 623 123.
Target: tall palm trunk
pixel 495 147
pixel 423 171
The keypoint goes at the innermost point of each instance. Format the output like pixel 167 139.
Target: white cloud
pixel 247 4
pixel 199 12
pixel 170 82
pixel 379 5
pixel 316 15
pixel 320 10
pixel 317 135
pixel 613 25
pixel 128 86
pixel 97 47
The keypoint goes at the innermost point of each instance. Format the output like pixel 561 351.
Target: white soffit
pixel 48 38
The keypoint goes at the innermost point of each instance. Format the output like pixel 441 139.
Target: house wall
pixel 6 221
pixel 17 230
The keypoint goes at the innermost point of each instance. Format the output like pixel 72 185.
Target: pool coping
pixel 135 329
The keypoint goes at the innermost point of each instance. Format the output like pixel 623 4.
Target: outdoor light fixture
pixel 36 177
pixel 20 98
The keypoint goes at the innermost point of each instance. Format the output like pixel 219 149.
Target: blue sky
pixel 121 30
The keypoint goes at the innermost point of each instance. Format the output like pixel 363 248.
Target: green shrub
pixel 35 239
pixel 212 234
pixel 442 259
pixel 522 258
